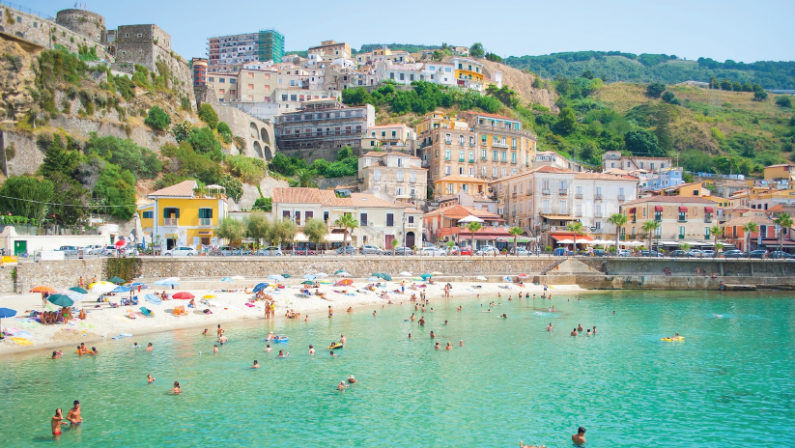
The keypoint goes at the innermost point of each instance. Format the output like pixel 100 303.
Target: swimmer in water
pixel 215 348
pixel 204 333
pixel 459 307
pixel 149 347
pixel 56 354
pixel 255 365
pixel 594 330
pixel 73 415
pixel 282 354
pixel 409 336
pixel 222 340
pixel 579 438
pixel 331 353
pixel 522 445
pixel 449 346
pixel 437 346
pixel 573 332
pixel 549 327
pixel 176 390
pixel 268 348
pixel 445 321
pixel 56 422
pixel 433 335
pixel 461 343
pixel 504 316
pixel 341 386
pixel 342 339
pixel 135 345
pixel 588 332
pixel 311 350
pixel 149 378
pixel 351 379
pixel 579 327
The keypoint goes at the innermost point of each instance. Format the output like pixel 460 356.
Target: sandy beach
pixel 227 302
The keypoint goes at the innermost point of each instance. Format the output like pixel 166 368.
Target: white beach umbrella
pixel 405 274
pixel 481 278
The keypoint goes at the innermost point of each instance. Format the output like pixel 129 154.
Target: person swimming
pixel 573 332
pixel 204 333
pixel 268 348
pixel 409 336
pixel 549 327
pixel 341 386
pixel 176 389
pixel 255 365
pixel 223 340
pixel 461 343
pixel 351 379
pixel 149 378
pixel 449 346
pixel 56 354
pixel 331 353
pixel 149 347
pixel 433 335
pixel 588 332
pixel 135 346
pixel 437 346
pixel 342 339
pixel 311 350
pixel 215 348
pixel 594 330
pixel 579 438
pixel 282 354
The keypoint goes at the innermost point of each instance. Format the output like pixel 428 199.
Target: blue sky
pixel 720 29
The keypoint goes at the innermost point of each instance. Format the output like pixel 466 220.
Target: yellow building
pixel 781 171
pixel 468 73
pixel 455 184
pixel 180 215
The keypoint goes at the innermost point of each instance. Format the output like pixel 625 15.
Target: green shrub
pixel 208 115
pixel 158 119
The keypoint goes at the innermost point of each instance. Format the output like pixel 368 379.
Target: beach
pixel 230 301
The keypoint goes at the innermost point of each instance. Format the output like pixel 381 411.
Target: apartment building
pixel 380 221
pixel 682 219
pixel 329 49
pixel 614 159
pixel 394 175
pixel 549 198
pixel 249 84
pixel 551 158
pixel 405 74
pixel 227 54
pixel 391 137
pixel 321 127
pixel 468 73
pixel 199 69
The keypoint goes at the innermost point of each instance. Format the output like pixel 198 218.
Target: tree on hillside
pixel 760 95
pixel 618 220
pixel 26 196
pixel 208 115
pixel 669 97
pixel 473 227
pixel 654 90
pixel 157 119
pixel 784 221
pixel 476 50
pixel 315 231
pixel 347 223
pixel 784 101
pixel 641 142
pixel 493 57
pixel 748 229
pixel 566 123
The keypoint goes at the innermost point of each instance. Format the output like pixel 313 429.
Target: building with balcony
pixel 380 221
pixel 443 225
pixel 682 219
pixel 548 198
pixel 322 127
pixel 181 215
pixel 614 159
pixel 551 158
pixel 662 178
pixel 227 54
pixel 394 176
pixel 468 73
pixel 329 49
pixel 199 68
pixel 390 137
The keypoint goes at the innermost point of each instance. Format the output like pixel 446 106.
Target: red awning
pixel 709 210
pixel 683 209
pixel 569 236
pixel 658 208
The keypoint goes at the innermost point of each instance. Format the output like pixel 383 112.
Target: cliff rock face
pixel 522 83
pixel 15 77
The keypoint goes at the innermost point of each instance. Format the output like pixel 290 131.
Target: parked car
pixel 69 251
pixel 733 254
pixel 599 253
pixel 709 253
pixel 348 250
pixel 624 252
pixel 650 253
pixel 487 250
pixel 519 251
pixel 109 251
pixel 759 253
pixel 94 249
pixel 695 253
pixel 679 253
pixel 269 251
pixel 129 251
pixel 780 254
pixel 432 251
pixel 368 249
pixel 303 250
pixel 453 250
pixel 402 250
pixel 223 251
pixel 181 251
pixel 562 251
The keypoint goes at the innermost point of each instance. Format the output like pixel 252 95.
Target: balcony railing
pixel 621 198
pixel 205 221
pixel 545 191
pixel 563 191
pixel 597 196
pixel 578 195
pixel 170 221
pixel 499 145
pixel 513 195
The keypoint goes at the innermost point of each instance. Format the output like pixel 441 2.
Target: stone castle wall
pixel 86 23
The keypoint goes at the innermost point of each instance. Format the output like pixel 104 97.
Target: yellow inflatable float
pixel 673 339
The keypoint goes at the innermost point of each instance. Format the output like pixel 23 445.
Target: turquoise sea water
pixel 730 383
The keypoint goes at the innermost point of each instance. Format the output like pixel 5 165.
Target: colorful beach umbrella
pixel 276 277
pixel 286 275
pixel 183 295
pixel 78 290
pixel 146 311
pixel 167 282
pixel 137 284
pixel 310 276
pixel 307 282
pixel 116 279
pixel 61 300
pixel 344 282
pixel 42 289
pixel 342 273
pixel 100 283
pixel 227 279
pixel 260 287
pixel 321 275
pixel 425 276
pixel 208 296
pixel 6 312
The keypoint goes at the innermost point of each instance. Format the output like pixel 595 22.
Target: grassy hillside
pixel 616 66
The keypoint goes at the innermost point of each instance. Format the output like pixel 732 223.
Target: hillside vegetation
pixel 613 66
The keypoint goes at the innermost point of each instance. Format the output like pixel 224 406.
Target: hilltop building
pixel 394 175
pixel 227 54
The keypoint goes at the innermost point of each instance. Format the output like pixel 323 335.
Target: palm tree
pixel 650 227
pixel 474 227
pixel 315 231
pixel 748 229
pixel 348 224
pixel 716 232
pixel 784 221
pixel 306 178
pixel 576 228
pixel 515 231
pixel 619 220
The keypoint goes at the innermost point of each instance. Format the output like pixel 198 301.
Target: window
pixel 483 155
pixel 233 81
pixel 400 175
pixel 205 213
pixel 579 191
pixel 363 219
pixel 471 141
pixel 298 218
pixel 447 170
pixel 681 232
pixel 285 214
pixel 495 172
pixel 309 214
pixel 460 156
pixel 171 212
pixel 222 80
pixel 461 140
pixel 682 216
pixel 545 206
pixel 563 207
pixel 325 217
pixel 483 138
pixel 504 156
pixel 148 215
pixel 494 156
pixel 412 176
pixel 446 154
pixel 471 157
pixel 390 219
pixel 513 157
pixel 411 220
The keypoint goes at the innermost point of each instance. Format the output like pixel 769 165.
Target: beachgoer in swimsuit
pixel 56 354
pixel 282 354
pixel 437 346
pixel 149 347
pixel 574 332
pixel 461 343
pixel 56 422
pixel 351 379
pixel 268 348
pixel 594 330
pixel 549 327
pixel 176 389
pixel 449 346
pixel 311 351
pixel 342 339
pixel 255 365
pixel 215 348
pixel 74 414
pixel 341 386
pixel 579 438
pixel 149 379
pixel 204 333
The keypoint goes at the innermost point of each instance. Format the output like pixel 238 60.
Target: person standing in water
pixel 56 422
pixel 579 438
pixel 176 390
pixel 73 415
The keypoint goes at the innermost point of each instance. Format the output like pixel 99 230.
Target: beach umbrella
pixel 344 282
pixel 61 300
pixel 208 296
pixel 307 282
pixel 342 273
pixel 120 289
pixel 42 289
pixel 6 312
pixel 372 279
pixel 151 298
pixel 523 276
pixel 101 287
pixel 145 311
pixel 481 278
pixel 183 295
pixel 237 277
pixel 286 275
pixel 167 282
pixel 310 276
pixel 117 280
pixel 321 275
pixel 276 277
pixel 425 276
pixel 137 284
pixel 260 287
pixel 227 279
pixel 100 283
pixel 73 295
pixel 405 274
pixel 78 290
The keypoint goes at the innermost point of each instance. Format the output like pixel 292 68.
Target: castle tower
pixel 86 23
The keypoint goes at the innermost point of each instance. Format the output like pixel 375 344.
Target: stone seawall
pixel 594 273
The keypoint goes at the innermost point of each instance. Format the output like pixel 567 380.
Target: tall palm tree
pixel 515 231
pixel 348 223
pixel 576 228
pixel 748 229
pixel 474 227
pixel 619 220
pixel 784 221
pixel 716 232
pixel 650 227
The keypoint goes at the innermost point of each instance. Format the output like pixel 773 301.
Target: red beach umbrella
pixel 183 295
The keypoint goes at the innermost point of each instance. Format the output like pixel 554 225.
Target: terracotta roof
pixel 458 178
pixel 603 176
pixel 742 220
pixel 183 189
pixel 670 200
pixel 296 195
pixel 486 114
pixel 550 169
pixel 459 212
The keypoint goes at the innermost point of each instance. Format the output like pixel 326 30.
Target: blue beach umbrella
pixel 151 298
pixel 227 279
pixel 310 277
pixel 167 282
pixel 260 287
pixel 78 290
pixel 6 312
pixel 425 276
pixel 137 284
pixel 120 289
pixel 276 277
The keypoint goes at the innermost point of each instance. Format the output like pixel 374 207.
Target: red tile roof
pixel 670 200
pixel 183 189
pixel 299 195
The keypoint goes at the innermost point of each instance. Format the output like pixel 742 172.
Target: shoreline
pixel 228 307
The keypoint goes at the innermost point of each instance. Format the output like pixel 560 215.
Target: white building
pixel 394 175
